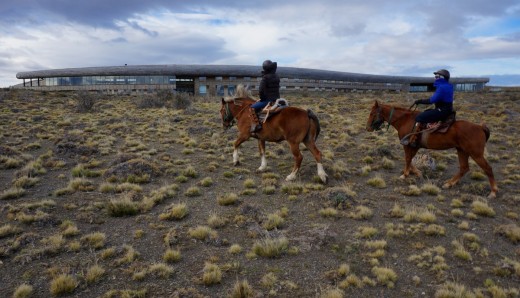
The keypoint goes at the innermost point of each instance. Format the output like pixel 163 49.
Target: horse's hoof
pixel 492 196
pixel 446 185
pixel 236 163
pixel 402 177
pixel 290 178
pixel 261 169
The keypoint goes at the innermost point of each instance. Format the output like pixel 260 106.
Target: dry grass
pixel 149 197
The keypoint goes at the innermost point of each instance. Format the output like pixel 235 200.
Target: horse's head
pixel 375 119
pixel 225 113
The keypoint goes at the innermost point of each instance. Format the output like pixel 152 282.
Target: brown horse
pixel 292 124
pixel 468 138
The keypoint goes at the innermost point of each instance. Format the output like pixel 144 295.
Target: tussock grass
pixel 63 284
pixel 175 212
pixel 328 212
pixel 193 191
pixel 172 255
pixel 202 232
pixel 216 221
pixel 413 190
pixel 122 207
pixel 273 221
pixel 206 182
pixel 482 208
pixel 12 193
pixel 268 280
pixel 452 289
pixel 385 276
pixel 271 247
pixel 362 212
pixel 129 256
pixel 377 182
pixel 211 274
pixel 366 232
pixel 94 274
pixel 430 188
pixel 227 199
pixel 23 291
pixel 292 188
pixel 242 289
pixel 25 182
pixel 510 231
pixel 9 230
pixel 332 293
pixel 95 240
pixel 235 249
pixel 161 270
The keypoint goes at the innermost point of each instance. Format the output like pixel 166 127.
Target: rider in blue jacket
pixel 443 100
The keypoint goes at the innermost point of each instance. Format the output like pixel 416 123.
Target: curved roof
pixel 195 70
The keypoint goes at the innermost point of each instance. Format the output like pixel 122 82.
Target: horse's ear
pixel 376 103
pixel 223 101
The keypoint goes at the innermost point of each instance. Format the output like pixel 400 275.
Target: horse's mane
pixel 400 108
pixel 241 92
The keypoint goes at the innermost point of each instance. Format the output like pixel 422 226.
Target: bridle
pixel 379 120
pixel 229 117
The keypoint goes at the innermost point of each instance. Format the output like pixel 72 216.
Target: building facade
pixel 220 80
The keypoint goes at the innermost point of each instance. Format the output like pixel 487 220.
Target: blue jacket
pixel 443 96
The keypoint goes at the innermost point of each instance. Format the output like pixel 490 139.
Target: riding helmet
pixel 269 66
pixel 444 73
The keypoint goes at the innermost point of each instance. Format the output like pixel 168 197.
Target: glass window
pixel 218 78
pixel 220 90
pixel 202 79
pixel 202 89
pixel 231 89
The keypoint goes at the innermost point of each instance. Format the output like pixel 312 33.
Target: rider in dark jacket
pixel 269 92
pixel 443 100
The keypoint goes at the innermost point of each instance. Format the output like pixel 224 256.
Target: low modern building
pixel 223 79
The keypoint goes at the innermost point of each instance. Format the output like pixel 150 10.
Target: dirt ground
pixel 123 201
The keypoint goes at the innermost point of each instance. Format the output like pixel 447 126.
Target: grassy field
pixel 113 197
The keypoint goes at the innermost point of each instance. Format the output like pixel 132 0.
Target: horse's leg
pixel 295 149
pixel 241 138
pixel 261 149
pixel 311 145
pixel 463 169
pixel 409 153
pixel 484 165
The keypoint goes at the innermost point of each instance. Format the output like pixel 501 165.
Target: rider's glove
pixel 422 101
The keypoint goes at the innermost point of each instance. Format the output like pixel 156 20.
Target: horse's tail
pixel 316 122
pixel 486 131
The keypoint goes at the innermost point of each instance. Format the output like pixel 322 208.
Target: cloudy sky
pixel 399 37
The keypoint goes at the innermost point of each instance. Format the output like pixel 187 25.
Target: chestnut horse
pixel 292 124
pixel 468 138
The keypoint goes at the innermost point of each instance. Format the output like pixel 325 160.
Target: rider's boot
pixel 414 139
pixel 255 122
pixel 407 140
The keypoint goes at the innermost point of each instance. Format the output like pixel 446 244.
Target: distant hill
pixel 504 80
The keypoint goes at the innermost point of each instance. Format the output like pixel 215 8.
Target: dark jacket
pixel 269 86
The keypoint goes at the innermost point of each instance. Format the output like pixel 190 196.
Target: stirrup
pixel 405 141
pixel 255 128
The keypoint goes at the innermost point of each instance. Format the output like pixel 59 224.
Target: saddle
pixel 272 109
pixel 441 126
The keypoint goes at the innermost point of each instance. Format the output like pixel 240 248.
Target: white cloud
pixel 379 37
